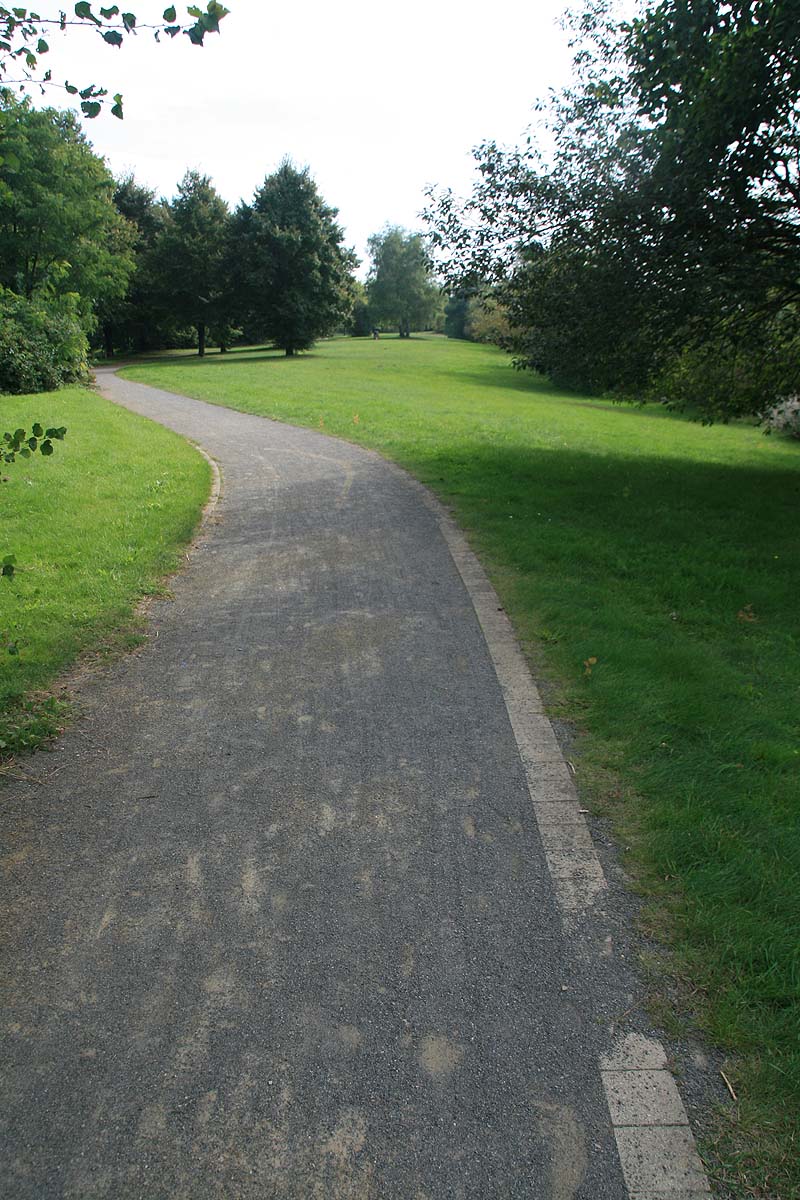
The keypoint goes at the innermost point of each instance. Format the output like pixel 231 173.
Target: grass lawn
pixel 668 553
pixel 93 528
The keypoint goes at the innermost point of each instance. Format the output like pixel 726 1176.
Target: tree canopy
pixel 189 256
pixel 59 229
pixel 290 274
pixel 656 250
pixel 400 288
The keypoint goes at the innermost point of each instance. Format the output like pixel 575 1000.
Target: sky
pixel 377 100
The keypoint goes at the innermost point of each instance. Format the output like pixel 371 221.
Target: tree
pixel 291 276
pixel 400 288
pixel 24 33
pixel 656 251
pixel 189 254
pixel 59 230
pixel 141 319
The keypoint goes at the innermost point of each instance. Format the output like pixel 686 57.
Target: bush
pixel 42 343
pixel 785 417
pixel 487 321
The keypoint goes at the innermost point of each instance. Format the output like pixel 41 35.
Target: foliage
pixel 487 320
pixel 785 417
pixel 455 316
pixel 360 324
pixel 400 288
pixel 188 261
pixel 24 33
pixel 290 277
pixel 42 342
pixel 661 237
pixel 138 320
pixel 24 444
pixel 59 230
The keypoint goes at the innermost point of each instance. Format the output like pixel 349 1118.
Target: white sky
pixel 377 99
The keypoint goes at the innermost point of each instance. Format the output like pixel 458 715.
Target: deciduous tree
pixel 656 251
pixel 400 287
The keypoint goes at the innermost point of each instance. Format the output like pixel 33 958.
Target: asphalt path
pixel 278 919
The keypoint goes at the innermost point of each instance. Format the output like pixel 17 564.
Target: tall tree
pixel 189 256
pixel 400 287
pixel 136 321
pixel 657 250
pixel 59 230
pixel 291 275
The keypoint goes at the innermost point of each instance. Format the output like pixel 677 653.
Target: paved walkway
pixel 304 905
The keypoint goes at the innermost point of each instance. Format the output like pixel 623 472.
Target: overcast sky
pixel 377 99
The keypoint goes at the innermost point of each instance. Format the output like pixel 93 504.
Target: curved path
pixel 304 906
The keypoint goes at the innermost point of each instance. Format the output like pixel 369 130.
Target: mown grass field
pixel 652 568
pixel 94 528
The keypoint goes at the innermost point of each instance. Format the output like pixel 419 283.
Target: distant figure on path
pixel 375 333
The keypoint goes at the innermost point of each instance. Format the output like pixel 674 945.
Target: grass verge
pixel 94 528
pixel 652 566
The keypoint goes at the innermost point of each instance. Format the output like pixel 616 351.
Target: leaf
pixel 9 560
pixel 113 37
pixel 129 21
pixel 90 108
pixel 196 35
pixel 42 46
pixel 70 87
pixel 84 10
pixel 37 430
pixel 46 448
pixel 116 108
pixel 108 13
pixel 169 15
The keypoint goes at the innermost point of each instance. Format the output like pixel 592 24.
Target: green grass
pixel 668 552
pixel 94 528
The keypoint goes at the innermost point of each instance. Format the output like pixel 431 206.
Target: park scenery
pixel 592 360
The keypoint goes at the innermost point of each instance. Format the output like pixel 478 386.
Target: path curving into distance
pixel 304 905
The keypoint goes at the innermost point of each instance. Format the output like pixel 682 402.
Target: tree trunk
pixel 108 339
pixel 289 352
pixel 201 339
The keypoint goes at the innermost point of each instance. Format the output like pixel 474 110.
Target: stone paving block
pixel 661 1163
pixel 569 839
pixel 559 812
pixel 643 1098
pixel 635 1052
pixel 578 865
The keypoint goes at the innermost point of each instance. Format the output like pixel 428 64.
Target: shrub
pixel 42 343
pixel 784 417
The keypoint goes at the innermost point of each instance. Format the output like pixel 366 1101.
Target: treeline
pixel 90 262
pixel 649 247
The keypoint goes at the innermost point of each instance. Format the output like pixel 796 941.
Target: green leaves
pixel 84 11
pixel 23 444
pixel 20 32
